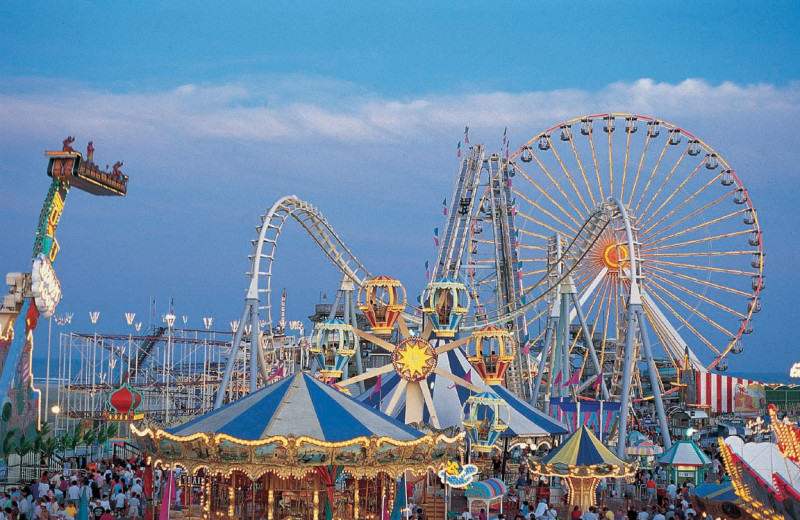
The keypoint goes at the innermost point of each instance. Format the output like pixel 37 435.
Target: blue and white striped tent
pixel 448 399
pixel 298 405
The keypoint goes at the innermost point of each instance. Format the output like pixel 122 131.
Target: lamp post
pixel 170 320
pixel 207 322
pixel 129 317
pixel 93 317
pixel 60 321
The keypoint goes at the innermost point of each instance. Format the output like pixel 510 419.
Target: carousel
pixel 582 460
pixel 298 448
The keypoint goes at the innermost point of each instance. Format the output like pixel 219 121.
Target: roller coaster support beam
pixel 655 382
pixel 630 338
pixel 255 345
pixel 545 355
pixel 235 344
pixel 587 338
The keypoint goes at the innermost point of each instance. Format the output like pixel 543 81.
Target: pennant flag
pixel 466 135
pixel 467 378
pixel 557 382
pixel 599 380
pixel 377 387
pixel 278 373
pixel 444 207
pixel 459 149
pixel 516 237
pixel 526 348
pixel 505 140
pixel 436 236
pixel 427 271
pixel 509 179
pixel 574 379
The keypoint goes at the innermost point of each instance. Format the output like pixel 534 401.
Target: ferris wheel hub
pixel 414 359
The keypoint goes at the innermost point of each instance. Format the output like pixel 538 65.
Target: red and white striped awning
pixel 717 390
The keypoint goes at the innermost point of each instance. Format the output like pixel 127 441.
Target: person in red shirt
pixel 650 485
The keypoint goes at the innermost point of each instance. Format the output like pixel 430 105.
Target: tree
pixel 9 444
pixel 24 446
pixel 89 436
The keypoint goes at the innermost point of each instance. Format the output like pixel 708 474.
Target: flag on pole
pixel 509 179
pixel 466 135
pixel 505 139
pixel 377 388
pixel 599 380
pixel 459 149
pixel 444 207
pixel 574 379
pixel 557 382
pixel 427 271
pixel 516 236
pixel 526 347
pixel 436 236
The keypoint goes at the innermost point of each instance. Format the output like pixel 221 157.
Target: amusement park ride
pixel 36 293
pixel 603 242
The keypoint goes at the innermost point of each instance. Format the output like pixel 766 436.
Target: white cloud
pixel 272 112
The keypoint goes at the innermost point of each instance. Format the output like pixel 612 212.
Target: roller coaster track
pixel 323 234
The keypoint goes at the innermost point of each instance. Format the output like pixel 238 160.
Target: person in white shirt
pixel 541 510
pixel 466 515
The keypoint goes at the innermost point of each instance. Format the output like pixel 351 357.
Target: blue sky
pixel 219 109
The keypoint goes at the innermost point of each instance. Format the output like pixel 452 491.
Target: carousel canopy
pixel 582 449
pixel 449 399
pixel 684 453
pixel 298 405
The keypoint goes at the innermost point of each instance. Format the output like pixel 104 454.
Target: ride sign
pixel 45 286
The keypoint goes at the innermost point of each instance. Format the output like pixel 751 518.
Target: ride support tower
pixel 36 293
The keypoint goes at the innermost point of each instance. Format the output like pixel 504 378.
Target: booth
pixel 486 494
pixel 684 461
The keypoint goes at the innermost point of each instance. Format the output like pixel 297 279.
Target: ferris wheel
pixel 699 243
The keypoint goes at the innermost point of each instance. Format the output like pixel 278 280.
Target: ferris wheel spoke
pixel 550 214
pixel 708 283
pixel 705 224
pixel 692 242
pixel 686 305
pixel 684 322
pixel 664 183
pixel 455 379
pixel 543 192
pixel 702 268
pixel 534 235
pixel 698 295
pixel 569 177
pixel 594 159
pixel 374 339
pixel 452 345
pixel 701 254
pixel 428 399
pixel 625 163
pixel 639 169
pixel 580 165
pixel 651 177
pixel 399 391
pixel 646 231
pixel 661 339
pixel 671 196
pixel 540 223
pixel 525 247
pixel 375 372
pixel 558 187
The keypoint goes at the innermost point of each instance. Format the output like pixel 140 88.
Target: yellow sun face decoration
pixel 414 359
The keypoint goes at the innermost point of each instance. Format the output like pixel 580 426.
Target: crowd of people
pixel 110 490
